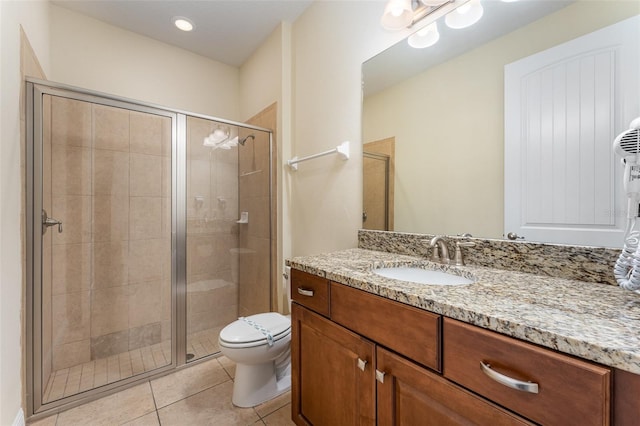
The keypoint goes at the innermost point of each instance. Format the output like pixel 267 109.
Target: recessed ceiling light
pixel 183 23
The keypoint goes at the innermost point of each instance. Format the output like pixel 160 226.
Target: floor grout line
pixel 261 418
pixel 197 393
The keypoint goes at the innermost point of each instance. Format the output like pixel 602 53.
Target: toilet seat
pixel 241 334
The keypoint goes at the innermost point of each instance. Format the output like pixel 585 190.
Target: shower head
pixel 243 140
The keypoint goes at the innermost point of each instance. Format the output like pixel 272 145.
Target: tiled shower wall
pixel 255 236
pixel 111 267
pixel 259 235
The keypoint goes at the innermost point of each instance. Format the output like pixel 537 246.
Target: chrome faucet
pixel 459 259
pixel 440 251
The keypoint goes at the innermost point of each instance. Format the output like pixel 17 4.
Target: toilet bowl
pixel 260 346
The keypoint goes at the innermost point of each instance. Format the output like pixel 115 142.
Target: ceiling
pixel 227 31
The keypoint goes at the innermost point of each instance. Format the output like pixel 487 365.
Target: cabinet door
pixel 411 395
pixel 332 372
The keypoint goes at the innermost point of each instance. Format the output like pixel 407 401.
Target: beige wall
pixel 119 62
pixel 264 81
pixel 33 17
pixel 330 42
pixel 260 75
pixel 452 115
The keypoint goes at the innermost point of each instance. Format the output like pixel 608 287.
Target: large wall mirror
pixel 437 117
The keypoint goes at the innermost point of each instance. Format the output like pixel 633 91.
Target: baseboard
pixel 19 420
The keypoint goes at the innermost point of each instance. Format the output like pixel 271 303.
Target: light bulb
pixel 427 36
pixel 464 8
pixel 397 15
pixel 465 15
pixel 396 10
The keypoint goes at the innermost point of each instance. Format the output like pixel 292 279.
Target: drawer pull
pixel 380 376
pixel 361 364
pixel 305 292
pixel 508 381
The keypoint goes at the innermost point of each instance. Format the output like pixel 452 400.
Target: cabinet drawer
pixel 409 331
pixel 412 395
pixel 311 291
pixel 570 391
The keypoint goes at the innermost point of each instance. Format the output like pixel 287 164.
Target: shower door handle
pixel 49 221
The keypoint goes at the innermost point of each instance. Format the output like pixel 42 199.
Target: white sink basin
pixel 422 276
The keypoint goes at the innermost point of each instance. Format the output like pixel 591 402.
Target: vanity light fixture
pixel 183 23
pixel 428 36
pixel 401 14
pixel 465 15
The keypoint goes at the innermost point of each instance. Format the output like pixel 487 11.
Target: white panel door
pixel 563 108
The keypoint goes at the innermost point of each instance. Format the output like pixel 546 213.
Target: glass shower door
pixel 103 306
pixel 228 239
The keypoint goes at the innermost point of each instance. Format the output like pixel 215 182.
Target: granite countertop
pixel 592 321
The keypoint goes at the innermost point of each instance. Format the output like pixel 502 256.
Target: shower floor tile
pixel 96 373
pixel 210 403
pixel 203 343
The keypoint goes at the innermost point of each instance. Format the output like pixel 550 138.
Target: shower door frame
pixel 35 89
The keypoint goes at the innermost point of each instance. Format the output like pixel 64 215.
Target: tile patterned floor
pixel 198 395
pixel 204 343
pixel 92 374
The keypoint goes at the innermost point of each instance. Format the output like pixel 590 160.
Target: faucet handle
pixel 459 259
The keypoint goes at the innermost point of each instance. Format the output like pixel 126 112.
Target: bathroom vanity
pixel 512 348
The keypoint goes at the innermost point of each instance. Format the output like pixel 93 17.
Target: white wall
pixel 93 55
pixel 330 42
pixel 33 17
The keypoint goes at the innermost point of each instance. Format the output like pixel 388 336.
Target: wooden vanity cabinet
pixel 357 360
pixel 334 363
pixel 333 381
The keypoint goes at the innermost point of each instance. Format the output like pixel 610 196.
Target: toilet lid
pixel 249 331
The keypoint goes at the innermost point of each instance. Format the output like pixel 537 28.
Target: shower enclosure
pixel 148 230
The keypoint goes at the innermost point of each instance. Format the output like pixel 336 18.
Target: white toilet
pixel 260 346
